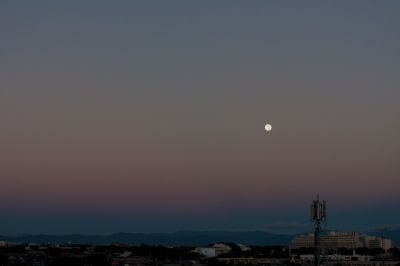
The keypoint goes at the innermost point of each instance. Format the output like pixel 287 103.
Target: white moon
pixel 268 127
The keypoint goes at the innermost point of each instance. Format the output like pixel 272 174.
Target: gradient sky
pixel 148 116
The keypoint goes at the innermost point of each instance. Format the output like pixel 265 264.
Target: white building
pixel 243 247
pixel 215 250
pixel 221 248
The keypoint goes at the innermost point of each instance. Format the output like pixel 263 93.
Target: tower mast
pixel 317 215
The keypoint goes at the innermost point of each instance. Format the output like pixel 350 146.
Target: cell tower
pixel 317 215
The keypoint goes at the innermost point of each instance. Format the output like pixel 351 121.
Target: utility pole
pixel 382 243
pixel 317 215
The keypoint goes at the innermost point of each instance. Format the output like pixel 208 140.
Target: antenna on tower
pixel 317 215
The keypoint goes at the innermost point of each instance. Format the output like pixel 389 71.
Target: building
pixel 381 243
pixel 303 241
pixel 208 252
pixel 304 261
pixel 221 248
pixel 366 240
pixel 215 250
pixel 6 244
pixel 334 240
pixel 337 257
pixel 387 244
pixel 243 247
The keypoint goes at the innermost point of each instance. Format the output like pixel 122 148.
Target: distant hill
pixel 183 238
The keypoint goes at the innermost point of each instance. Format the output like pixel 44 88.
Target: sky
pixel 149 116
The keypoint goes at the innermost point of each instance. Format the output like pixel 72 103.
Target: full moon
pixel 268 127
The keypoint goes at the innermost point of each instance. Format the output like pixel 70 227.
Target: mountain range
pixel 182 238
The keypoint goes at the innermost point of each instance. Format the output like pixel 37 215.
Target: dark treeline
pixel 102 255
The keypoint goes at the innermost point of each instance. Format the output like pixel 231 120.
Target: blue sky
pixel 149 116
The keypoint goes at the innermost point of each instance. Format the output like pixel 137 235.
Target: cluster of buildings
pixel 217 249
pixel 335 240
pixel 6 244
pixel 68 254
